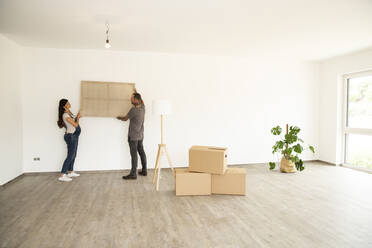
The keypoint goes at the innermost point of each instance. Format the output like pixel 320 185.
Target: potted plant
pixel 290 147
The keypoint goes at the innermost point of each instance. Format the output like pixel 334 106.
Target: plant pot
pixel 287 166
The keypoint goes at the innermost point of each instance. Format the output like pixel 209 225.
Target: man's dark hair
pixel 138 97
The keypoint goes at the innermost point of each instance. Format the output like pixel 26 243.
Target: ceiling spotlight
pixel 107 44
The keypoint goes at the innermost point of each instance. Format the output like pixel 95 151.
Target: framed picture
pixel 105 99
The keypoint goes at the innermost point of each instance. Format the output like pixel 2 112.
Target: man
pixel 136 115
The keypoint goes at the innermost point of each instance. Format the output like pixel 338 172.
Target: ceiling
pixel 305 29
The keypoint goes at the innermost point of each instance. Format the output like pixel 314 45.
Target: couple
pixel 136 115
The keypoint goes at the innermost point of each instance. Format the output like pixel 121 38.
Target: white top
pixel 69 127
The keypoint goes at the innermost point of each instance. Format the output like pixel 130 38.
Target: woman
pixel 67 120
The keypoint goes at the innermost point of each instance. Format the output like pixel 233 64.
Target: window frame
pixel 345 110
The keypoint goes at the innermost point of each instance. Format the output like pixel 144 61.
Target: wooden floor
pixel 323 206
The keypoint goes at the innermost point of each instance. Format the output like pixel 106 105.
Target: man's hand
pixel 125 118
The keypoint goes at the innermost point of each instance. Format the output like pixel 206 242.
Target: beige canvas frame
pixel 105 99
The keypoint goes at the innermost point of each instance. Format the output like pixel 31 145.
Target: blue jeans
pixel 72 140
pixel 77 131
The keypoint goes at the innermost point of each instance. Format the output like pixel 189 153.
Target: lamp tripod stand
pixel 162 149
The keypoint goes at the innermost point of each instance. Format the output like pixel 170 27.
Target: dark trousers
pixel 137 146
pixel 72 140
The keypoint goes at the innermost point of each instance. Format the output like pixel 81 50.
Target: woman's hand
pixel 78 115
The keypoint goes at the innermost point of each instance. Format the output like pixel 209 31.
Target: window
pixel 358 120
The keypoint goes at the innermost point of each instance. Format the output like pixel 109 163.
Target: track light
pixel 107 44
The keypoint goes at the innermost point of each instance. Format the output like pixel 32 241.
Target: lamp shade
pixel 161 107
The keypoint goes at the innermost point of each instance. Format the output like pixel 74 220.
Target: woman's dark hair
pixel 138 97
pixel 61 110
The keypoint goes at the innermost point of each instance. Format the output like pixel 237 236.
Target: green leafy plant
pixel 290 146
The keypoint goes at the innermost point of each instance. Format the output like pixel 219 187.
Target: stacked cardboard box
pixel 208 174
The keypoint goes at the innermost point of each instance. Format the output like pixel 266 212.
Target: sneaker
pixel 64 178
pixel 73 174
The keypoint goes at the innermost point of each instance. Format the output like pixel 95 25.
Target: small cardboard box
pixel 231 183
pixel 192 183
pixel 208 159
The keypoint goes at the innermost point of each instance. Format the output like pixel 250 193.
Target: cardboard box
pixel 208 159
pixel 231 183
pixel 192 183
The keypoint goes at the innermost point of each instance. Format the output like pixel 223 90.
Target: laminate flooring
pixel 323 206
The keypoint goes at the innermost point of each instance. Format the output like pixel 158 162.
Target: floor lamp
pixel 161 107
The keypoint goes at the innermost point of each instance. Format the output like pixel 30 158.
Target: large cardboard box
pixel 231 183
pixel 208 159
pixel 192 183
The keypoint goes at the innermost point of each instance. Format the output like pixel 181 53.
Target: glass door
pixel 358 121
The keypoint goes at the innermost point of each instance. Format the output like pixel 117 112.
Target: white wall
pixel 220 101
pixel 10 111
pixel 330 101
